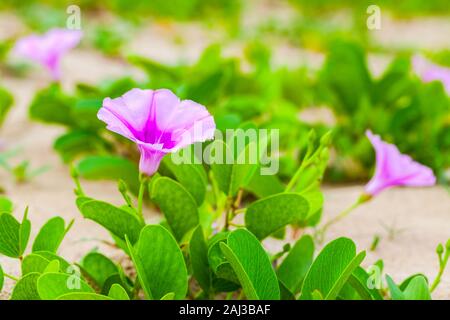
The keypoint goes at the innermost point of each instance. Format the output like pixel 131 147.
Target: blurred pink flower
pixel 429 71
pixel 47 49
pixel 395 169
pixel 158 122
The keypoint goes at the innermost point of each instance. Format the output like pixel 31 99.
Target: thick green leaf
pixel 417 289
pixel 82 296
pixel 98 267
pixel 198 251
pixel 232 172
pixel 118 221
pixel 50 236
pixel 191 176
pixel 77 142
pixel 159 263
pixel 331 269
pixel 6 205
pixel 396 293
pixel 264 186
pixel 26 288
pixel 2 278
pixel 9 236
pixel 53 267
pixel 294 267
pixel 268 215
pixel 24 233
pixel 53 285
pixel 177 204
pixel 168 296
pixel 117 292
pixel 252 266
pixel 110 168
pixel 34 263
pixel 51 105
pixel 6 101
pixel 51 256
pixel 358 281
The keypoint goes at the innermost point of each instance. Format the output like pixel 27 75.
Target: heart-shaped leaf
pixel 177 204
pixel 331 269
pixel 251 265
pixel 159 263
pixel 268 215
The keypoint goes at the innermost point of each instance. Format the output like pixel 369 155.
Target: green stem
pixel 143 180
pixel 363 198
pixel 11 277
pixel 442 265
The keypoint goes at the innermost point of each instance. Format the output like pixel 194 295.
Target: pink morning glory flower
pixel 48 49
pixel 158 122
pixel 395 169
pixel 428 72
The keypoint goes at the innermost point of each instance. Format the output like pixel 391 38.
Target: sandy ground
pixel 420 217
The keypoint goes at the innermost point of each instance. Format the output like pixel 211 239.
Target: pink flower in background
pixel 47 49
pixel 158 122
pixel 429 71
pixel 395 169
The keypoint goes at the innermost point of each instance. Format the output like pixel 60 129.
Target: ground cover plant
pixel 220 177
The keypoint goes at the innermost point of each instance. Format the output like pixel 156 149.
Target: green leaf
pixel 26 288
pixel 24 233
pixel 34 263
pixel 6 205
pixel 51 235
pixel 77 142
pixel 10 239
pixel 110 168
pixel 98 267
pixel 294 267
pixel 64 265
pixel 268 215
pixel 51 105
pixel 159 263
pixel 264 185
pixel 82 296
pixel 118 221
pixel 177 204
pixel 251 265
pixel 359 282
pixel 117 292
pixel 168 296
pixel 396 293
pixel 6 101
pixel 417 289
pixel 2 278
pixel 331 269
pixel 232 173
pixel 53 285
pixel 191 176
pixel 53 267
pixel 198 251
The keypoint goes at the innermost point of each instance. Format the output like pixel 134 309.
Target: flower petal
pixel 395 169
